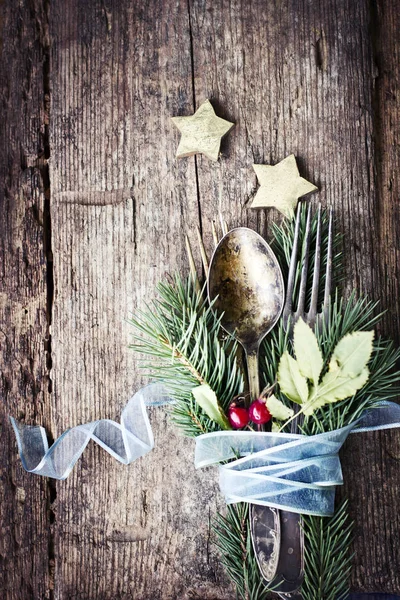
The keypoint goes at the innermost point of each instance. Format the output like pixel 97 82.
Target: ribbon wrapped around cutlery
pixel 286 471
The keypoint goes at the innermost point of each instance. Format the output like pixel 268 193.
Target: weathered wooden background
pixel 94 208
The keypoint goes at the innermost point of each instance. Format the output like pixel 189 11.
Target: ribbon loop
pixel 287 471
pixel 126 441
pixel 290 471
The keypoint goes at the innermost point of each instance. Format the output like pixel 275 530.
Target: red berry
pixel 238 417
pixel 258 412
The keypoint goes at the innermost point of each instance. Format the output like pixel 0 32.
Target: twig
pixel 224 225
pixel 192 266
pixel 204 258
pixel 214 233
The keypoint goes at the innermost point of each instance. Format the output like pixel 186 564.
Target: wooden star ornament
pixel 281 186
pixel 202 132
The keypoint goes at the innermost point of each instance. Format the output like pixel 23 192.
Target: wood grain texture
pixel 377 455
pixel 319 80
pixel 119 73
pixel 25 501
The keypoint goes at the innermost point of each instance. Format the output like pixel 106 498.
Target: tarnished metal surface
pixel 246 280
pixel 290 571
pixel 266 535
pixel 246 277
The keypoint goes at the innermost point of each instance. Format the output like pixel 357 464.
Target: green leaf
pixel 308 355
pixel 291 381
pixel 207 400
pixel 347 373
pixel 277 409
pixel 352 353
pixel 334 388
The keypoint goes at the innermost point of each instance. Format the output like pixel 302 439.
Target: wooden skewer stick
pixel 224 226
pixel 214 233
pixel 192 266
pixel 204 258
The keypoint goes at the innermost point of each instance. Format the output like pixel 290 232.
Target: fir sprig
pixel 327 557
pixel 327 540
pixel 384 378
pixel 237 554
pixel 185 341
pixel 354 314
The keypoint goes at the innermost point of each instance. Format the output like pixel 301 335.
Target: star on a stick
pixel 281 186
pixel 202 132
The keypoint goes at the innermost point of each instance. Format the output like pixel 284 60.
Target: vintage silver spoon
pixel 246 282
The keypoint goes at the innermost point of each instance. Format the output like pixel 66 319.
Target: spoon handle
pixel 264 520
pixel 252 370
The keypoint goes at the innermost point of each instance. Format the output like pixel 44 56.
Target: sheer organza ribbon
pixel 287 471
pixel 125 441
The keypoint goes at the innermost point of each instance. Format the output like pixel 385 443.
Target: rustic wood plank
pixel 295 78
pixel 120 70
pixel 286 76
pixel 316 74
pixel 378 529
pixel 299 77
pixel 25 295
pixel 385 21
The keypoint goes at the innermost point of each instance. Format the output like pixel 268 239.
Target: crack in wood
pixel 93 197
pixel 194 108
pixel 43 166
pixel 321 51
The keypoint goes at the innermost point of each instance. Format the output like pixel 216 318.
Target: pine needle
pixel 327 540
pixel 327 557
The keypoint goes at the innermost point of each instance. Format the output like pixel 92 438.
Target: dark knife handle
pixel 291 556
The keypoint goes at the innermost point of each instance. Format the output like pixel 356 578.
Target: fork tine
pixel 304 270
pixel 315 282
pixel 328 276
pixel 287 310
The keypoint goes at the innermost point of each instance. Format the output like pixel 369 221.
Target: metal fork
pixel 312 316
pixel 290 570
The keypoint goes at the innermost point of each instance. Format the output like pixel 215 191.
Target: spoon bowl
pixel 246 283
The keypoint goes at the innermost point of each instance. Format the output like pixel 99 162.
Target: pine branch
pixel 327 556
pixel 184 338
pixel 344 317
pixel 187 346
pixel 384 379
pixel 237 555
